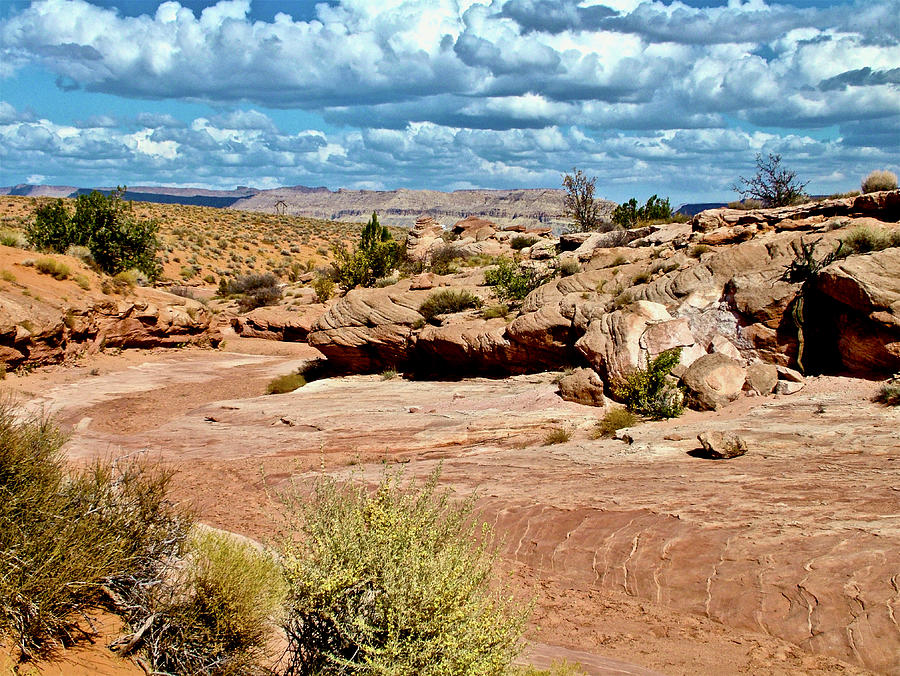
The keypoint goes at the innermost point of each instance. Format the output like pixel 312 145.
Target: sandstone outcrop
pixel 583 386
pixel 423 237
pixel 713 381
pixel 278 323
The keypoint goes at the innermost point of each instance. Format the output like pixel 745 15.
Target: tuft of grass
pixel 564 668
pixel 641 278
pixel 286 383
pixel 82 281
pixel 389 374
pixel 615 419
pixel 13 239
pixel 568 267
pixel 863 239
pixel 698 250
pixel 520 242
pixel 55 268
pixel 878 180
pixel 448 301
pixel 395 580
pixel 558 435
pixel 500 311
pixel 7 276
pixel 889 394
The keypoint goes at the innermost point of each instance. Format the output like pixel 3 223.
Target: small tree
pixel 773 184
pixel 629 215
pixel 579 203
pixel 376 255
pixel 106 225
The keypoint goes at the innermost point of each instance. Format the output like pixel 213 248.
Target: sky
pixel 649 96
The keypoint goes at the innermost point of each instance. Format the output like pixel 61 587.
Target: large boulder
pixel 722 445
pixel 860 310
pixel 713 381
pixel 583 386
pixel 278 323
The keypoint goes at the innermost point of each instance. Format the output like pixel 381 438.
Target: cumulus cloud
pixel 464 63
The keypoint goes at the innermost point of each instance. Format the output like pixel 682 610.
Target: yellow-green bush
pixel 880 179
pixel 395 581
pixel 55 268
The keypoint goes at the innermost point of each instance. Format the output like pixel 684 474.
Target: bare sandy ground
pixel 638 556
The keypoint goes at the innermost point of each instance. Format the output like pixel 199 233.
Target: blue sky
pixel 673 98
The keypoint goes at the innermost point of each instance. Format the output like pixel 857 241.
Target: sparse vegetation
pixel 7 276
pixel 286 383
pixel 773 184
pixel 614 420
pixel 558 435
pixel 568 267
pixel 252 291
pixel 447 301
pixel 648 391
pixel 51 266
pixel 67 536
pixel 513 282
pixel 698 250
pixel 889 393
pixel 520 242
pixel 389 374
pixel 864 239
pixel 880 179
pixel 13 239
pixel 394 581
pixel 323 285
pixel 495 311
pixel 444 257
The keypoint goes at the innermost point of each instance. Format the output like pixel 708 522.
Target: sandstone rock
pixel 670 334
pixel 469 227
pixel 583 386
pixel 788 387
pixel 722 445
pixel 422 282
pixel 721 345
pixel 569 241
pixel 278 323
pixel 789 374
pixel 422 237
pixel 543 250
pixel 714 380
pixel 761 378
pixel 861 310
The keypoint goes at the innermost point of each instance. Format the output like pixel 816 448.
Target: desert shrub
pixel 520 242
pixel 7 276
pixel 698 250
pixel 214 614
pixel 386 281
pixel 324 287
pixel 55 268
pixel 557 435
pixel 889 393
pixel 82 281
pixel 389 374
pixel 67 537
pixel 513 282
pixel 648 392
pixel 395 581
pixel 448 301
pixel 495 311
pixel 286 383
pixel 878 180
pixel 13 239
pixel 105 225
pixel 252 291
pixel 615 419
pixel 773 184
pixel 863 239
pixel 568 267
pixel 444 257
pixel 563 668
pixel 82 253
pixel 641 278
pixel 375 256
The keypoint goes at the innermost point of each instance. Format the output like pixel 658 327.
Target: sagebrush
pixel 648 391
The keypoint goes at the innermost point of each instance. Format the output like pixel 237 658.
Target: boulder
pixel 721 345
pixel 713 381
pixel 788 387
pixel 761 378
pixel 789 374
pixel 278 323
pixel 471 226
pixel 722 445
pixel 543 250
pixel 583 386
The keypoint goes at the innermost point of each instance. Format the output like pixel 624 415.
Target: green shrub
pixel 215 614
pixel 648 391
pixel 889 394
pixel 286 383
pixel 389 374
pixel 863 239
pixel 395 581
pixel 495 311
pixel 448 301
pixel 324 288
pixel 557 435
pixel 375 257
pixel 67 537
pixel 520 242
pixel 878 180
pixel 513 282
pixel 615 419
pixel 103 224
pixel 629 215
pixel 444 257
pixel 568 267
pixel 698 250
pixel 50 266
